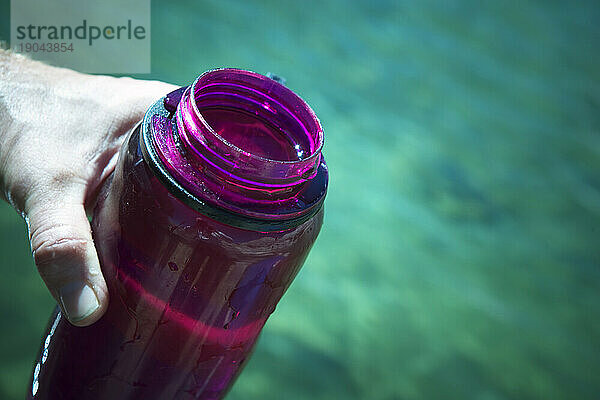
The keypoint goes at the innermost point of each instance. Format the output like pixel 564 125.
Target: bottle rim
pixel 318 135
pixel 201 140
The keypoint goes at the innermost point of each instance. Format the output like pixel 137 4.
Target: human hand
pixel 60 132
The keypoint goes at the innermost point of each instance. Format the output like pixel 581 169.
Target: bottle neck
pixel 241 143
pixel 249 130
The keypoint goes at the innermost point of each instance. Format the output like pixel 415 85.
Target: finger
pixel 143 93
pixel 138 96
pixel 66 259
pixel 154 90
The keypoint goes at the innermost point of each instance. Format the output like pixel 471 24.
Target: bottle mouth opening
pixel 250 127
pixel 240 148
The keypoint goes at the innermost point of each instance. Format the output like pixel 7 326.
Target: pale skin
pixel 60 132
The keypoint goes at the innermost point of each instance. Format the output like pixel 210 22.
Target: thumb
pixel 65 255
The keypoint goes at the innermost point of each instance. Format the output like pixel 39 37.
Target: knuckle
pixel 54 244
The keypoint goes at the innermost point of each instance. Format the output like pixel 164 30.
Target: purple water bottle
pixel 215 203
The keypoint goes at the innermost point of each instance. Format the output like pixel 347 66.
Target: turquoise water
pixel 460 253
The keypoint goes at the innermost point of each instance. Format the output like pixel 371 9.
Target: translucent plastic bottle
pixel 214 205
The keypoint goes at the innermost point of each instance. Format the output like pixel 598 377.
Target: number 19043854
pixel 35 47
